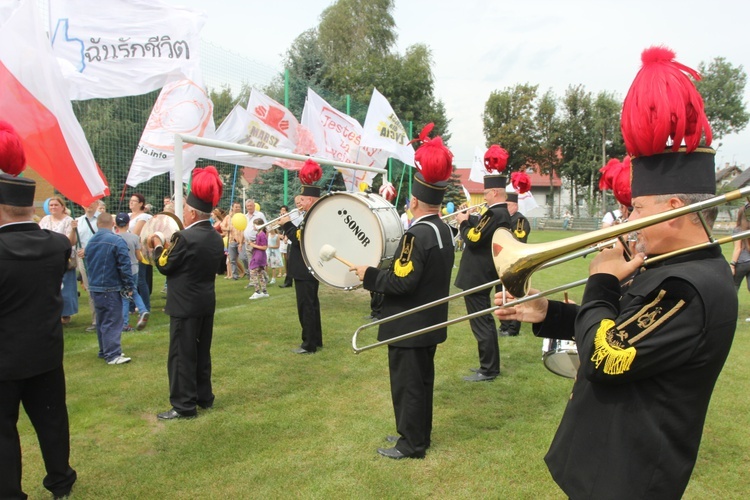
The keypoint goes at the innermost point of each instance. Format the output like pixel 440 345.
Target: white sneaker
pixel 256 295
pixel 272 282
pixel 119 360
pixel 747 320
pixel 142 321
pixel 265 294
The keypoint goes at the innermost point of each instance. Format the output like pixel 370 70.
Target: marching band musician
pixel 305 284
pixel 477 267
pixel 652 348
pixel 520 227
pixel 420 273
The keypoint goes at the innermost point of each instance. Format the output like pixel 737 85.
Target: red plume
pixel 434 161
pixel 424 134
pixel 521 182
pixel 310 172
pixel 12 156
pixel 663 104
pixel 616 176
pixel 495 159
pixel 206 185
pixel 608 172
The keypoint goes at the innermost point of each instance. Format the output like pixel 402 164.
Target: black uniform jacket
pixel 420 273
pixel 296 266
pixel 32 264
pixel 520 227
pixel 191 263
pixel 477 267
pixel 650 356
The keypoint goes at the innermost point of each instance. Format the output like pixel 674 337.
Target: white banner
pixel 183 107
pixel 338 137
pixel 384 130
pixel 265 124
pixel 116 48
pixel 477 166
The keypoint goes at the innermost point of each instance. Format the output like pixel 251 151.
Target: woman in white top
pixel 59 222
pixel 138 219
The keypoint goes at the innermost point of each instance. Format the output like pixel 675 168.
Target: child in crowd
pixel 274 255
pixel 258 261
pixel 134 250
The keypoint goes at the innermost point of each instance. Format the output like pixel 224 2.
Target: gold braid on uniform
pixel 403 265
pixel 475 233
pixel 616 359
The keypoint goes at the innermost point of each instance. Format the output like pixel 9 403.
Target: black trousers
pixel 189 363
pixel 412 381
pixel 308 310
pixel 43 398
pixel 485 333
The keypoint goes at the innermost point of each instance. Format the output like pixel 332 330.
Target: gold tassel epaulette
pixel 616 359
pixel 475 233
pixel 165 253
pixel 403 265
pixel 519 232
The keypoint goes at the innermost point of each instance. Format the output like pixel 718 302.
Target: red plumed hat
pixel 205 189
pixel 521 182
pixel 12 156
pixel 434 162
pixel 616 176
pixel 662 110
pixel 495 160
pixel 308 176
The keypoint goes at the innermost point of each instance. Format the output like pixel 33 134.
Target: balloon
pixel 445 211
pixel 450 207
pixel 239 221
pixel 257 206
pixel 46 206
pixel 363 187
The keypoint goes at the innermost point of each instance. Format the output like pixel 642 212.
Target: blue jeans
pixel 138 303
pixel 143 289
pixel 108 323
pixel 234 254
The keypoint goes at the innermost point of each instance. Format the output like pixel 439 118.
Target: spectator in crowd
pixel 740 264
pixel 31 334
pixel 284 249
pixel 274 255
pixel 58 222
pixel 258 261
pixel 138 218
pixel 133 242
pixel 217 218
pixel 110 276
pixel 86 229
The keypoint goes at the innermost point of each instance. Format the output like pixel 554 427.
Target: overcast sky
pixel 479 46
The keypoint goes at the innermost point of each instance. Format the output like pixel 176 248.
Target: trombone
pixel 273 223
pixel 515 262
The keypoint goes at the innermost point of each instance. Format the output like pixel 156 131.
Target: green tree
pixel 509 121
pixel 606 111
pixel 723 87
pixel 547 126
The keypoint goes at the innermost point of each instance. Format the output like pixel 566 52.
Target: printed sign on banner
pixel 384 130
pixel 124 47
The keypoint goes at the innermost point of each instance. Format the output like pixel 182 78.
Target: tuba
pixel 165 224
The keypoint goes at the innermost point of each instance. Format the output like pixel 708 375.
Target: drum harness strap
pixel 437 233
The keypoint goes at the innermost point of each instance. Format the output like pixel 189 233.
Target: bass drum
pixel 363 228
pixel 561 357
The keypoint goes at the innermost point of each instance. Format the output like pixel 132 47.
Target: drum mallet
pixel 327 252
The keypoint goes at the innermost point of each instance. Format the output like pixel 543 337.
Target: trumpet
pixel 515 262
pixel 465 209
pixel 273 223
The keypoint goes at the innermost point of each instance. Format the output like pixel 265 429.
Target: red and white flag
pixel 384 130
pixel 339 137
pixel 35 101
pixel 183 107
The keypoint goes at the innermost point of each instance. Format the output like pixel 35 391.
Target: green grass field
pixel 295 426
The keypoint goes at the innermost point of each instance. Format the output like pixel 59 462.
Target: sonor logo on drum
pixel 359 233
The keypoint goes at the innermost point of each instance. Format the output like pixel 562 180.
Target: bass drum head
pixel 561 357
pixel 350 223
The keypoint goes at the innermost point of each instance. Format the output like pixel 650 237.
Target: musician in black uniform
pixel 477 267
pixel 305 284
pixel 651 348
pixel 190 262
pixel 31 335
pixel 520 227
pixel 420 273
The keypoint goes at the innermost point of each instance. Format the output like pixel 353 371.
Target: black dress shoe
pixel 285 286
pixel 391 439
pixel 300 350
pixel 480 377
pixel 475 370
pixel 173 414
pixel 503 333
pixel 207 406
pixel 397 455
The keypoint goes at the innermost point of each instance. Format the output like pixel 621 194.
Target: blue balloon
pixel 450 207
pixel 46 206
